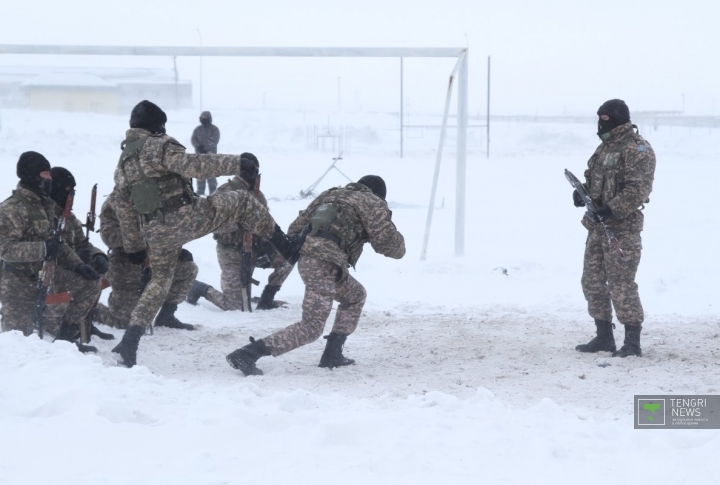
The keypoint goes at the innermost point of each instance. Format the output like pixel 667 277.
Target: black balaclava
pixel 63 184
pixel 205 118
pixel 249 168
pixel 29 167
pixel 148 116
pixel 618 112
pixel 376 184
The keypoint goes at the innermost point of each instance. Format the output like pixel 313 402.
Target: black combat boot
pixel 289 246
pixel 69 333
pixel 99 334
pixel 631 345
pixel 94 330
pixel 333 357
pixel 197 290
pixel 604 342
pixel 166 318
pixel 244 359
pixel 128 346
pixel 267 299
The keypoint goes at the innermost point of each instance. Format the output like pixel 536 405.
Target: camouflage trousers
pixel 608 280
pixel 324 283
pixel 17 295
pixel 125 280
pixel 230 262
pixel 165 237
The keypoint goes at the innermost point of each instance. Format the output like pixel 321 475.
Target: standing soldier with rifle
pixel 30 242
pixel 618 181
pixel 126 277
pixel 152 184
pixel 239 253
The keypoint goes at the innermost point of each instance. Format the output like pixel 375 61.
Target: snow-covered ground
pixel 464 374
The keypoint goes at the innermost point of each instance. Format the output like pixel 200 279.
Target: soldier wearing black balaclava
pixel 619 179
pixel 205 139
pixel 63 185
pixel 27 220
pixel 229 245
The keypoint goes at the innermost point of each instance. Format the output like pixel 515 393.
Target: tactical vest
pixel 151 195
pixel 339 223
pixel 606 177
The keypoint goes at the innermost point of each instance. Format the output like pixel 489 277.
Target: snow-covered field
pixel 464 374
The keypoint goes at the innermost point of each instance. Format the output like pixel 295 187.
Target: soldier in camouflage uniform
pixel 63 183
pixel 342 220
pixel 229 245
pixel 619 179
pixel 153 183
pixel 27 220
pixel 126 279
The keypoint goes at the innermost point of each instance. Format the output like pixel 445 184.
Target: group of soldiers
pixel 153 211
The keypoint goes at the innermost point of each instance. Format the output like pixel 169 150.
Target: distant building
pixel 95 90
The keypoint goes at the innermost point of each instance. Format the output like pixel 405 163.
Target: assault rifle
pixel 90 221
pixel 247 262
pixel 42 298
pixel 592 210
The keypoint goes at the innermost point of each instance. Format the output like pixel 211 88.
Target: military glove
pixel 604 212
pixel 577 200
pixel 52 248
pixel 100 263
pixel 138 257
pixel 85 253
pixel 185 256
pixel 86 272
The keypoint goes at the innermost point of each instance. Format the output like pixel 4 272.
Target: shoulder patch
pixel 641 148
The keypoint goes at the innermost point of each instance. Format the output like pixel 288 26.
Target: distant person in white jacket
pixel 205 139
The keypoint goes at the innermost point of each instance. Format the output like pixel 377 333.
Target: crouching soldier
pixel 229 246
pixel 27 220
pixel 342 220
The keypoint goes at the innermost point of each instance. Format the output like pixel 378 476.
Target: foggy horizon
pixel 561 57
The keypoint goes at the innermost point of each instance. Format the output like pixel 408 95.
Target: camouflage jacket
pixel 162 156
pixel 205 139
pixel 233 235
pixel 27 220
pixel 374 225
pixel 620 175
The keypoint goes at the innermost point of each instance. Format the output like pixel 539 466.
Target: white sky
pixel 549 57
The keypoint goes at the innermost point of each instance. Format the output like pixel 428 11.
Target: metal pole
pixel 201 73
pixel 488 110
pixel 438 159
pixel 339 96
pixel 461 155
pixel 401 108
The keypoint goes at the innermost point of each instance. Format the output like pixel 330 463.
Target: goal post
pixel 461 53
